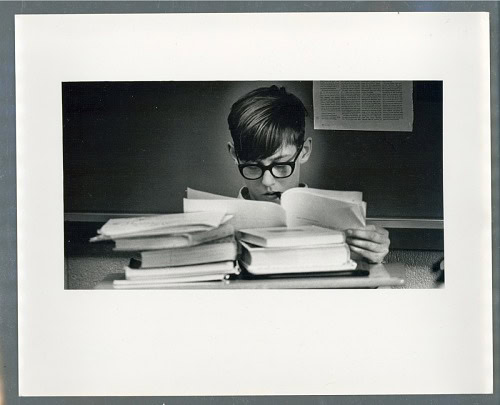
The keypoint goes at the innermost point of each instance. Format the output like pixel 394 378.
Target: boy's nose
pixel 268 179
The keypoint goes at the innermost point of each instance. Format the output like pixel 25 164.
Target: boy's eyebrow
pixel 279 157
pixel 276 158
pixel 291 156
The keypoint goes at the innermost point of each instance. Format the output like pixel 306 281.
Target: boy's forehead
pixel 285 152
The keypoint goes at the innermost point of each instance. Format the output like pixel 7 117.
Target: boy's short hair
pixel 264 120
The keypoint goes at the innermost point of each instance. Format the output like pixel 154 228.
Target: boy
pixel 267 126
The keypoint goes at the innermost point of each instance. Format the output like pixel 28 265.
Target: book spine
pixel 227 267
pixel 206 253
pixel 159 282
pixel 280 269
pixel 320 240
pixel 332 255
pixel 151 243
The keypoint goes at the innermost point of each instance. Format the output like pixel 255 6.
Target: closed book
pixel 227 267
pixel 302 269
pixel 296 257
pixel 216 251
pixel 158 283
pixel 291 236
pixel 174 240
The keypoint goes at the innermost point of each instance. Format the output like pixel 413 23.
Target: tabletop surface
pixel 380 275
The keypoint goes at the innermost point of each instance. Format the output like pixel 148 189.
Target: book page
pixel 304 208
pixel 355 197
pixel 246 214
pixel 193 194
pixel 161 224
pixel 347 196
pixel 363 105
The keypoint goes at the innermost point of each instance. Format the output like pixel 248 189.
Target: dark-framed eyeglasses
pixel 279 170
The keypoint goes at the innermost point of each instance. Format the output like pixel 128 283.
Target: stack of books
pixel 173 249
pixel 294 250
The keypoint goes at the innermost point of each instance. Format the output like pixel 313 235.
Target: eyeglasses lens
pixel 281 170
pixel 252 172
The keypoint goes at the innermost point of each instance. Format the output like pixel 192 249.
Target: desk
pixel 381 276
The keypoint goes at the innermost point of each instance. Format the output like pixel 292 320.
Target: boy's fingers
pixel 374 228
pixel 368 245
pixel 371 243
pixel 370 235
pixel 372 257
pixel 382 231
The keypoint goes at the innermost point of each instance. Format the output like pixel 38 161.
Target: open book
pixel 160 225
pixel 299 206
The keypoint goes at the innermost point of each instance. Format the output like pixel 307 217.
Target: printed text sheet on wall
pixel 363 105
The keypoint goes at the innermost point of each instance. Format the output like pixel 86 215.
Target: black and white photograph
pixel 235 204
pixel 223 184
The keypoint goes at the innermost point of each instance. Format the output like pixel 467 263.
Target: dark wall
pixel 135 147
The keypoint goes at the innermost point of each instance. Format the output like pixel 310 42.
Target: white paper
pixel 193 194
pixel 347 196
pixel 308 207
pixel 363 105
pixel 300 206
pixel 161 224
pixel 246 214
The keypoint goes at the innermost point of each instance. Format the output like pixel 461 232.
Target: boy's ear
pixel 232 152
pixel 306 150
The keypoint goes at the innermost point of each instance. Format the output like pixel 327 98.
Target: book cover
pixel 216 251
pixel 227 267
pixel 321 256
pixel 262 269
pixel 156 283
pixel 291 236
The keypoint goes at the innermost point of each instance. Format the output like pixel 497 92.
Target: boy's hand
pixel 371 243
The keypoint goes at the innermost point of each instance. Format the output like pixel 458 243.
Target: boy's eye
pixel 252 172
pixel 282 170
pixel 252 169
